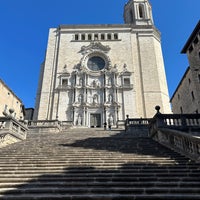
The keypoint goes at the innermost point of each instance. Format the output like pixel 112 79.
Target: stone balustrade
pixel 181 142
pixel 137 126
pixel 121 124
pixel 177 121
pixel 55 126
pixel 177 131
pixel 40 126
pixel 137 121
pixel 39 123
pixel 11 131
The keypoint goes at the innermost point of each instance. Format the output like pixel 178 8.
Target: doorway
pixel 95 120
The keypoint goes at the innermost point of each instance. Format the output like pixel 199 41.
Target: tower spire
pixel 138 12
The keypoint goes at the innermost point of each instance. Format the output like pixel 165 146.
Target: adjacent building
pixel 100 73
pixel 186 98
pixel 10 103
pixel 29 114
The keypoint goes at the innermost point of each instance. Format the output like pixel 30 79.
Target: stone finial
pixel 157 108
pixel 11 111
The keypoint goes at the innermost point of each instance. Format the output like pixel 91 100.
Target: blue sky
pixel 25 25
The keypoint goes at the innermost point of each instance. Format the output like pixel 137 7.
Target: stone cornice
pixel 104 27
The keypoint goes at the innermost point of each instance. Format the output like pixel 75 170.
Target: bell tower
pixel 138 12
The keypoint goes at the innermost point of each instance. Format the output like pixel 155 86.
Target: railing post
pixel 159 118
pixel 126 123
pixel 183 121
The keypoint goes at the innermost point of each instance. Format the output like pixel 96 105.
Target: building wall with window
pixel 98 73
pixel 8 100
pixel 186 98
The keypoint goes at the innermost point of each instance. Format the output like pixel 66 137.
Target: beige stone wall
pixel 138 47
pixel 8 100
pixel 151 81
pixel 47 76
pixel 185 99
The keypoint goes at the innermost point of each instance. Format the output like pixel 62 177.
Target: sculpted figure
pixel 95 99
pixel 110 98
pixel 79 120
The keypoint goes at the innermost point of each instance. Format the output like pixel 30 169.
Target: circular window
pixel 96 63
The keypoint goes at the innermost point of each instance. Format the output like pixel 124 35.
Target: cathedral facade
pixel 100 73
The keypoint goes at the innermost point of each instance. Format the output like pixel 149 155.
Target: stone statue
pixel 79 120
pixel 81 82
pixel 111 121
pixel 65 68
pixel 95 99
pixel 109 81
pixel 125 67
pixel 80 98
pixel 110 98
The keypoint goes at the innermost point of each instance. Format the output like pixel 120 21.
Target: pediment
pixel 95 46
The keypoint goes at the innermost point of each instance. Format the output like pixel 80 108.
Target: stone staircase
pixel 92 164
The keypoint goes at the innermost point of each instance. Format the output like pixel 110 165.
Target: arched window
pixel 102 36
pixel 82 36
pixel 141 10
pixel 193 97
pixel 89 37
pixel 76 36
pixel 109 36
pixel 116 36
pixel 96 37
pixel 181 109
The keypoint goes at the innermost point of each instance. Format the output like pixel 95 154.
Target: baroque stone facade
pixel 186 98
pixel 100 73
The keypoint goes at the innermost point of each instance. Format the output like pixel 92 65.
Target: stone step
pixel 9 183
pixel 93 173
pixel 101 197
pixel 132 170
pixel 99 190
pixel 52 178
pixel 95 164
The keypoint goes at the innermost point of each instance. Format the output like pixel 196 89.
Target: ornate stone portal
pixel 94 88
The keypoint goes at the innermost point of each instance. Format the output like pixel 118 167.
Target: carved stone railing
pixel 11 131
pixel 44 126
pixel 53 126
pixel 137 126
pixel 66 125
pixel 43 123
pixel 121 124
pixel 137 121
pixel 184 143
pixel 182 122
pixel 130 122
pixel 180 132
